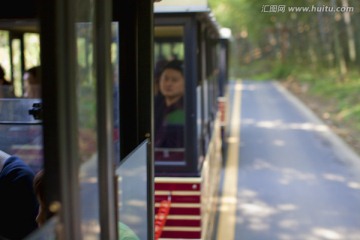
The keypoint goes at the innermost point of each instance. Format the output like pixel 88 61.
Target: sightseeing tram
pixel 93 127
pixel 187 169
pixel 90 128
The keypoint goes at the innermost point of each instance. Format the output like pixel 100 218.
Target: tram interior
pixel 21 127
pixel 21 132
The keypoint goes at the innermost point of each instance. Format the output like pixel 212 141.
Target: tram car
pixel 191 61
pixel 89 130
pixel 92 130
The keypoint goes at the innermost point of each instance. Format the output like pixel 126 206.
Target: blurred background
pixel 311 46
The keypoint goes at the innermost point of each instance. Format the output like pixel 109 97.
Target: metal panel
pixel 135 60
pixel 126 15
pixel 105 121
pixel 60 115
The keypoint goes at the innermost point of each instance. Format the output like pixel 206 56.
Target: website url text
pixel 310 9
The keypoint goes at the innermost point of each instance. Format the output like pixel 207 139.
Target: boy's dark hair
pixel 2 72
pixel 35 71
pixel 2 77
pixel 174 64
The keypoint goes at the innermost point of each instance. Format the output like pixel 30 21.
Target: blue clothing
pixel 18 203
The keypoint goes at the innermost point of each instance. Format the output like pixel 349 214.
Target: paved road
pixel 295 179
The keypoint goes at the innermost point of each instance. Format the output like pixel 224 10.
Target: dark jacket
pixel 169 124
pixel 18 204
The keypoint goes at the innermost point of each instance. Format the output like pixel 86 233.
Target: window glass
pixel 169 95
pixel 133 204
pixel 21 133
pixel 5 53
pixel 32 50
pixel 20 130
pixel 210 78
pixel 116 96
pixel 17 67
pixel 87 121
pixel 6 88
pixel 199 123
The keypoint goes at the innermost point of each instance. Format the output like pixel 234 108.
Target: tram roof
pixel 181 6
pixel 189 6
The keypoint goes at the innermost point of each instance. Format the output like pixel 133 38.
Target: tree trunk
pixel 338 50
pixel 350 33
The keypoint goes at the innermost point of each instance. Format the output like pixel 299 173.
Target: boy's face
pixel 172 83
pixel 31 90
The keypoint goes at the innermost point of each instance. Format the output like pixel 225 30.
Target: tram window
pixel 5 54
pixel 199 122
pixel 168 46
pixel 21 133
pixel 116 96
pixel 18 52
pixel 32 63
pixel 31 50
pixel 212 76
pixel 170 95
pixel 87 125
pixel 169 43
pixel 215 71
pixel 17 66
pixel 209 76
pixel 87 131
pixel 210 90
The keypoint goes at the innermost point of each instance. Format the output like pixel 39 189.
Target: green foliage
pixel 254 17
pixel 87 107
pixel 310 47
pixel 282 70
pixel 325 83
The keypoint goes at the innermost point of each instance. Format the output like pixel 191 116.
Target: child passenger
pixel 32 82
pixel 6 87
pixel 18 205
pixel 169 107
